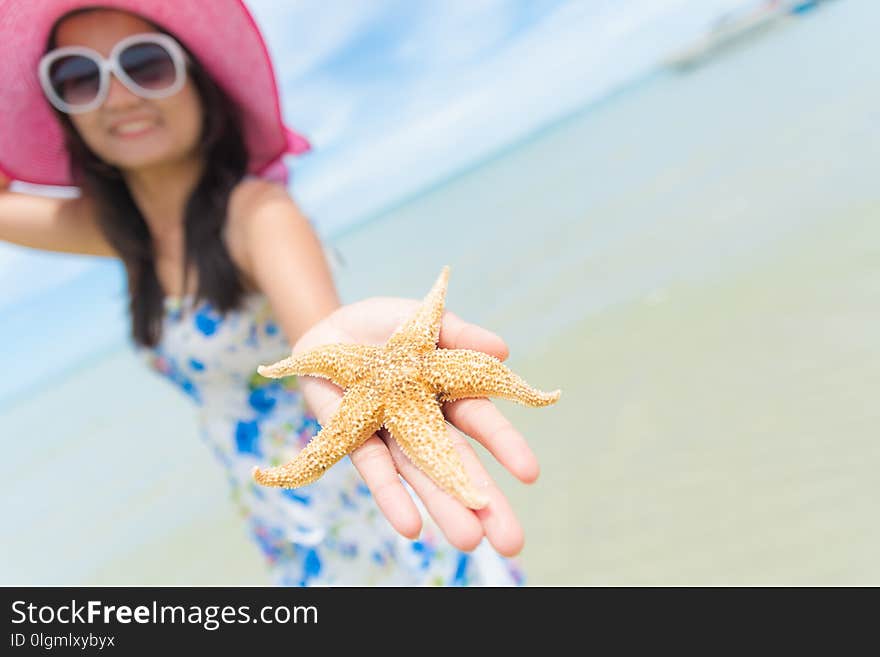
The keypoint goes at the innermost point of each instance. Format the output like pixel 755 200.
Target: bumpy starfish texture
pixel 401 386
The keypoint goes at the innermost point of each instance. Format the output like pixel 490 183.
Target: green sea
pixel 695 262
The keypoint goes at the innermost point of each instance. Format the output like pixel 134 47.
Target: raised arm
pixel 66 225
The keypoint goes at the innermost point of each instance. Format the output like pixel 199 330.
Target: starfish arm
pixel 421 332
pixel 457 373
pixel 359 415
pixel 416 422
pixel 344 364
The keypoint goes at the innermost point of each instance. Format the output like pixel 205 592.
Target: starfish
pixel 401 386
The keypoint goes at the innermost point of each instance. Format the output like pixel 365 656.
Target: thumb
pixel 455 333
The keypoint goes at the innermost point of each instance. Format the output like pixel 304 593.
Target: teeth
pixel 133 126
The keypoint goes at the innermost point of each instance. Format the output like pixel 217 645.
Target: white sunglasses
pixel 76 79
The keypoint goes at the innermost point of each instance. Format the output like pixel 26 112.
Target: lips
pixel 132 127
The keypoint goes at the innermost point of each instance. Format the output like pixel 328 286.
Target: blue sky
pixel 395 94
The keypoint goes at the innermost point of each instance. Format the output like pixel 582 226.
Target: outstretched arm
pixel 282 254
pixel 286 259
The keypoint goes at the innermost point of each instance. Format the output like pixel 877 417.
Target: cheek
pixel 88 129
pixel 184 114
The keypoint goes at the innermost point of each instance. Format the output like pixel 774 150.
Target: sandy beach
pixel 695 263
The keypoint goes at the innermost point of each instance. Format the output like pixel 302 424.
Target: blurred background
pixel 668 208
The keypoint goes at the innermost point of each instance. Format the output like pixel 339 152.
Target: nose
pixel 118 95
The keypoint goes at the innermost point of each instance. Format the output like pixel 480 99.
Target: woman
pixel 168 121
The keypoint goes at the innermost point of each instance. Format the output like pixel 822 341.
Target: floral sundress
pixel 327 533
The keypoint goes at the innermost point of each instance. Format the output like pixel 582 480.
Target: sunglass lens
pixel 148 65
pixel 75 79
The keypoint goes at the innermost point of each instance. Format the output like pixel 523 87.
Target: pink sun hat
pixel 220 33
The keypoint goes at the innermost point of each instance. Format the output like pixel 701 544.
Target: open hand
pixel 380 460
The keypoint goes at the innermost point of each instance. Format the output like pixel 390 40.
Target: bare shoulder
pixel 252 197
pixel 249 193
pixel 257 209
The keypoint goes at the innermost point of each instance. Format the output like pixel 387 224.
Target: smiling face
pixel 128 131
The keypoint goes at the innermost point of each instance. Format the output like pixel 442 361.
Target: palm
pixel 380 460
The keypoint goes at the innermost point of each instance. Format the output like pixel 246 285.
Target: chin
pixel 148 158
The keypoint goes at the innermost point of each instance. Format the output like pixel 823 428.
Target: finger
pixel 322 396
pixel 374 462
pixel 371 459
pixel 496 521
pixel 480 419
pixel 500 524
pixel 459 524
pixel 455 333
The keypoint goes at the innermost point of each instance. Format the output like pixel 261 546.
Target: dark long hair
pixel 224 152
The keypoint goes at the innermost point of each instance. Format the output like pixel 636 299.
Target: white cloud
pixel 322 111
pixel 302 35
pixel 441 122
pixel 452 34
